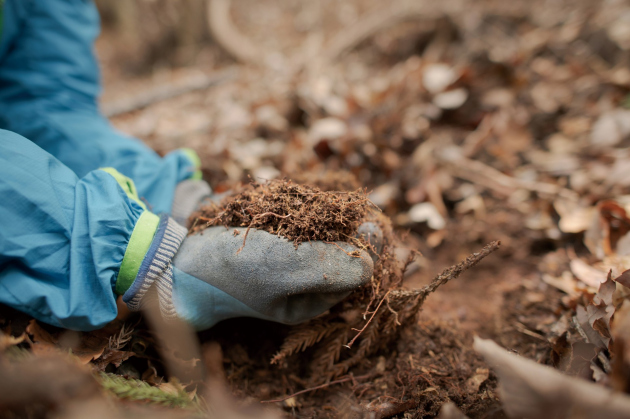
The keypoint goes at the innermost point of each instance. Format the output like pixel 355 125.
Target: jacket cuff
pixel 156 268
pixel 139 244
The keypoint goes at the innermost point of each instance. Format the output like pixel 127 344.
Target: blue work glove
pixel 268 279
pixel 209 280
pixel 203 278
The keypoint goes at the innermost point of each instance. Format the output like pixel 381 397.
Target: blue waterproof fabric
pixel 64 226
pixel 49 86
pixel 62 239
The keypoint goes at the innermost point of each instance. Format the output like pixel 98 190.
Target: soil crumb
pixel 298 212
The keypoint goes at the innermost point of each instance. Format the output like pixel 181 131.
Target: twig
pixel 477 172
pixel 167 91
pixel 252 223
pixel 244 50
pixel 194 224
pixel 210 220
pixel 394 313
pixel 342 380
pixel 524 330
pixel 372 298
pixel 375 21
pixel 349 345
pixel 449 273
pixel 351 255
pixel 228 36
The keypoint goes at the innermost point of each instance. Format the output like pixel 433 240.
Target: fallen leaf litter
pixel 544 109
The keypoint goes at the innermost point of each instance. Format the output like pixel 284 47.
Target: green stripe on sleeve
pixel 139 244
pixel 126 184
pixel 196 161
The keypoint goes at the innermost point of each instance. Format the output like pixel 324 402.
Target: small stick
pixel 422 293
pixel 342 380
pixel 352 256
pixel 368 322
pixel 395 313
pixel 449 273
pixel 166 91
pixel 194 224
pixel 374 294
pixel 477 172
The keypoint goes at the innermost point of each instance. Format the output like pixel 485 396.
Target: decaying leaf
pixel 8 340
pixel 531 390
pixel 85 346
pixel 42 342
pixel 480 376
pixel 574 358
pixel 593 321
pixel 591 276
pixel 565 283
pixel 620 376
pixel 110 356
pixel 611 226
pixel 624 278
pixel 573 218
pixel 450 411
pixel 611 128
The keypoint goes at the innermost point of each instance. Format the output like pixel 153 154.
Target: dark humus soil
pixel 353 341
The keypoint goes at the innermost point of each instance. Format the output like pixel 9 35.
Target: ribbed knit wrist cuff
pixel 156 269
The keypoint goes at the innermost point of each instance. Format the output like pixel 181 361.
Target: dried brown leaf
pixel 624 278
pixel 85 346
pixel 42 342
pixel 8 340
pixel 591 276
pixel 112 356
pixel 531 390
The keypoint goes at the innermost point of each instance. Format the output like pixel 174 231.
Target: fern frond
pixel 305 336
pixel 329 353
pixel 138 390
pixel 369 344
pixel 120 339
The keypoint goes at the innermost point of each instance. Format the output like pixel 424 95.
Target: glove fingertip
pixel 368 267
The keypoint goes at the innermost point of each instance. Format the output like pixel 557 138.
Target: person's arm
pixel 49 88
pixel 72 237
pixel 69 246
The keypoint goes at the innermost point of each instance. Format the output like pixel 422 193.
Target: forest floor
pixel 467 122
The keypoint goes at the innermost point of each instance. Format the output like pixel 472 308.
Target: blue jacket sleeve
pixel 62 239
pixel 49 87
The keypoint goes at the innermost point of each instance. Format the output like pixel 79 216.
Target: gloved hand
pixel 268 279
pixel 203 278
pixel 208 280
